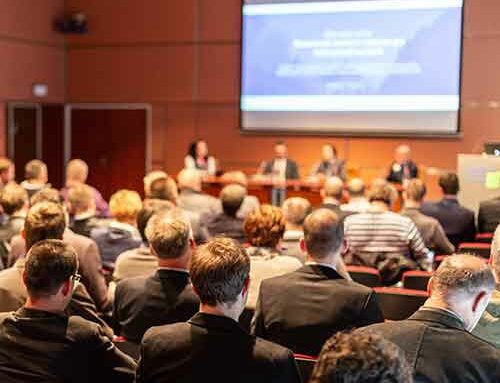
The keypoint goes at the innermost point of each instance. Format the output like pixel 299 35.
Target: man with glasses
pixel 39 342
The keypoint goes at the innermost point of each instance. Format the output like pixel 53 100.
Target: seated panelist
pixel 198 158
pixel 330 165
pixel 402 168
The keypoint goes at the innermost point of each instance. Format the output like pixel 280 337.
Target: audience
pixel 227 223
pixel 457 221
pixel 193 199
pixel 212 346
pixel 332 194
pixel 82 209
pixel 360 357
pixel 358 203
pixel 495 244
pixel 7 172
pixel 121 234
pixel 430 228
pixel 488 217
pixel 436 339
pixel 36 177
pixel 251 202
pixel 385 240
pixel 77 172
pixel 39 342
pixel 302 309
pixel 15 204
pixel 197 158
pixel 90 261
pixel 167 296
pixel 295 210
pixel 264 228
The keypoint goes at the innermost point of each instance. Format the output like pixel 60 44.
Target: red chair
pixel 364 275
pixel 476 248
pixel 484 237
pixel 416 280
pixel 305 363
pixel 398 303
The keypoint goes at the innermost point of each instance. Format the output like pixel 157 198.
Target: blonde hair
pixel 125 205
pixel 264 227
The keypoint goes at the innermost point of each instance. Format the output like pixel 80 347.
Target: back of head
pixel 168 235
pixel 361 357
pixel 164 189
pixel 231 197
pixel 295 210
pixel 189 179
pixel 45 220
pixel 449 183
pixel 35 170
pixel 49 264
pixel 264 227
pixel 415 190
pixel 333 187
pixel 219 270
pixel 77 171
pixel 323 233
pixel 356 187
pixel 150 178
pixel 150 208
pixel 5 164
pixel 235 177
pixel 13 198
pixel 46 195
pixel 381 191
pixel 80 198
pixel 125 205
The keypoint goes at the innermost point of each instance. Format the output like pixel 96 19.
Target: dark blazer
pixel 302 309
pixel 211 348
pixel 228 226
pixel 37 346
pixel 143 302
pixel 440 350
pixel 396 173
pixel 489 215
pixel 291 172
pixel 457 221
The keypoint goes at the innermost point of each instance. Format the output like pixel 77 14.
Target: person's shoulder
pixel 271 352
pixel 288 278
pixel 166 336
pixel 131 285
pixel 82 330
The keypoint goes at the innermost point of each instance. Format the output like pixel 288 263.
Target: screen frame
pixel 317 132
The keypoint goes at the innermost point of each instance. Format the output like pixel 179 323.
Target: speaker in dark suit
pixel 488 217
pixel 302 309
pixel 402 168
pixel 281 165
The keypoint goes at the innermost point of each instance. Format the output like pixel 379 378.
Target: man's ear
pixel 302 245
pixel 23 234
pixel 192 243
pixel 345 246
pixel 477 300
pixel 429 286
pixel 246 286
pixel 66 288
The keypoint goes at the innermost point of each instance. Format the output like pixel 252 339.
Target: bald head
pixel 402 153
pixel 231 197
pixel 334 188
pixel 189 179
pixel 295 210
pixel 323 234
pixel 235 177
pixel 77 171
pixel 356 187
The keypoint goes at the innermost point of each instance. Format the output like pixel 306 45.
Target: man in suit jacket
pixel 457 221
pixel 403 168
pixel 281 165
pixel 287 314
pixel 332 193
pixel 40 343
pixel 489 215
pixel 212 346
pixel 167 296
pixel 437 339
pixel 429 227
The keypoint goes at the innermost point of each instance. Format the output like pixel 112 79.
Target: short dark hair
pixel 449 183
pixel 168 235
pixel 150 208
pixel 163 189
pixel 49 264
pixel 47 195
pixel 280 143
pixel 382 192
pixel 323 233
pixel 12 198
pixel 45 220
pixel 361 356
pixel 219 270
pixel 416 190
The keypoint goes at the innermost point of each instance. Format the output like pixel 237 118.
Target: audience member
pixel 7 171
pixel 45 220
pixel 39 342
pixel 198 158
pixel 332 194
pixel 360 357
pixel 495 244
pixel 295 210
pixel 436 339
pixel 264 228
pixel 90 261
pixel 81 207
pixel 281 166
pixel 167 296
pixel 322 302
pixel 385 240
pixel 227 223
pixel 330 165
pixel 151 177
pixel 402 168
pixel 488 217
pixel 358 203
pixel 15 203
pixel 121 234
pixel 193 199
pixel 457 221
pixel 251 202
pixel 77 172
pixel 430 228
pixel 212 346
pixel 36 177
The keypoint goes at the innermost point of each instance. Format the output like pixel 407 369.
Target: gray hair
pixel 296 209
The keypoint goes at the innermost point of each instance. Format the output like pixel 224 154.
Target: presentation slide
pixel 352 67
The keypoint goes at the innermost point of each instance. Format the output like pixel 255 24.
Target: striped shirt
pixel 385 233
